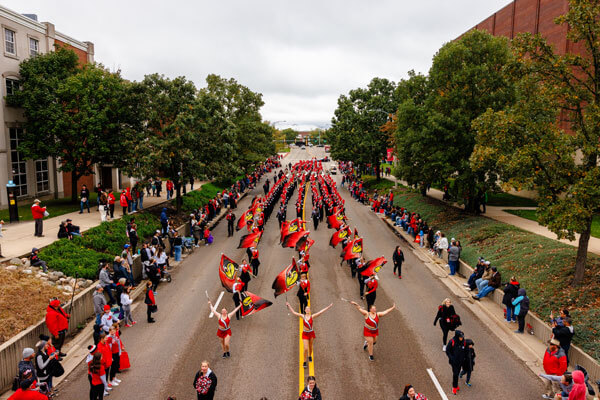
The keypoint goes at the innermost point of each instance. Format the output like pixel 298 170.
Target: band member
pixel 303 291
pixel 254 261
pixel 245 273
pixel 371 284
pixel 308 333
pixel 371 327
pixel 224 331
pixel 237 287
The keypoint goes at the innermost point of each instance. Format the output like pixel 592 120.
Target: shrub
pixel 70 257
pixel 109 237
pixel 199 198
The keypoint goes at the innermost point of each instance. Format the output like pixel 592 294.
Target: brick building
pixel 23 37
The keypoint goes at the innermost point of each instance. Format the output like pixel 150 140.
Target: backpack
pixel 454 322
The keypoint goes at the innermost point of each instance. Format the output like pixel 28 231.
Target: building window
pixel 9 42
pixel 34 47
pixel 18 163
pixel 41 175
pixel 12 85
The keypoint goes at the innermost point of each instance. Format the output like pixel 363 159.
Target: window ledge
pixel 9 55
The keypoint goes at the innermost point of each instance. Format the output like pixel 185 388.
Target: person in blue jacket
pixel 521 303
pixel 164 220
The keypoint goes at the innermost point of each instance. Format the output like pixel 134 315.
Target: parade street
pixel 265 355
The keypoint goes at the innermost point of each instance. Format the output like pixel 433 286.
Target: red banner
pixel 252 303
pixel 292 239
pixel 373 266
pixel 339 236
pixel 250 240
pixel 227 272
pixel 286 279
pixel 353 249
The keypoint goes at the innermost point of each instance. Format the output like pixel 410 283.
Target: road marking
pixel 216 304
pixel 311 365
pixel 437 384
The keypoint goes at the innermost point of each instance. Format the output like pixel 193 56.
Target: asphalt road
pixel 265 362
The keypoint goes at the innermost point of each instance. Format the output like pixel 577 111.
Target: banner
pixel 292 239
pixel 353 249
pixel 227 272
pixel 339 236
pixel 335 221
pixel 373 266
pixel 252 303
pixel 286 279
pixel 246 219
pixel 249 240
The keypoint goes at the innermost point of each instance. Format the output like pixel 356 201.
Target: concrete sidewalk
pixel 19 239
pixel 498 213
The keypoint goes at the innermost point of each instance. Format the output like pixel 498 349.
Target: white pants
pixel 103 213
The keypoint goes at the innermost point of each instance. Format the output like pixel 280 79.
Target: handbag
pixel 84 199
pixel 124 360
pixel 55 368
pixel 154 308
pixel 46 214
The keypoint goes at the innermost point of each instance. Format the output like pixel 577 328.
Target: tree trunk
pixel 74 178
pixel 178 197
pixel 377 170
pixel 582 250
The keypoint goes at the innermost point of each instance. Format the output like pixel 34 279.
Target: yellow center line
pixel 311 365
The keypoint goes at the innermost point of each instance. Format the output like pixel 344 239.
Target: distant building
pixel 23 37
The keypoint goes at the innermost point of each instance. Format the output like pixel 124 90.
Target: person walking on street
pixel 311 391
pixel 398 259
pixel 255 262
pixel 444 315
pixel 38 212
pixel 230 221
pixel 371 327
pixel 521 305
pixel 371 284
pixel 303 291
pixel 205 382
pixel 237 288
pixel 455 350
pixel 150 302
pixel 469 361
pixel 245 273
pixel 84 199
pixel 315 217
pixel 57 321
pixel 308 333
pixel 224 330
pixel 411 394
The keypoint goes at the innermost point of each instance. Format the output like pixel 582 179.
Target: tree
pixel 356 133
pixel 290 135
pixel 73 114
pixel 526 146
pixel 466 79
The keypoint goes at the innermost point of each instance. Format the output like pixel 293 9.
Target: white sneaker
pixel 106 393
pixel 466 284
pixel 444 348
pixel 468 288
pixel 118 380
pixel 114 382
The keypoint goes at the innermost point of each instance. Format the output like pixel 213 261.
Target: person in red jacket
pixel 129 199
pixel 555 363
pixel 57 321
pixel 38 212
pixel 123 202
pixel 104 348
pixel 111 203
pixel 27 391
pixel 149 301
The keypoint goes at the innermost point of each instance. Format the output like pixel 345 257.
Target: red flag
pixel 335 221
pixel 339 236
pixel 292 239
pixel 249 240
pixel 353 249
pixel 355 233
pixel 252 303
pixel 373 266
pixel 246 218
pixel 288 227
pixel 304 243
pixel 227 272
pixel 286 279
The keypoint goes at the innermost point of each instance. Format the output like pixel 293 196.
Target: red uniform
pixel 308 331
pixel 224 329
pixel 371 285
pixel 371 327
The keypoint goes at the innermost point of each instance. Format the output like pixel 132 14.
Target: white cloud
pixel 300 55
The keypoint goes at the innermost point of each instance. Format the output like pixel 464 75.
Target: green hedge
pixel 543 266
pixel 70 257
pixel 199 198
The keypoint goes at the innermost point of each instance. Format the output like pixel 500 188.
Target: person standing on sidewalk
pixel 111 203
pixel 555 363
pixel 103 207
pixel 398 258
pixel 205 382
pixel 444 315
pixel 521 304
pixel 57 321
pixel 123 202
pixel 511 291
pixel 150 302
pixel 99 303
pixel 84 199
pixel 38 212
pixel 453 256
pixel 455 350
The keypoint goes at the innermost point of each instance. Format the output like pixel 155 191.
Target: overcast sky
pixel 300 55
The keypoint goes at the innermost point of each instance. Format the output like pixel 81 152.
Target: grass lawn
pixel 371 183
pixel 510 200
pixel 530 214
pixel 542 265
